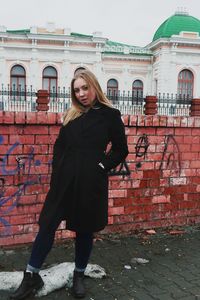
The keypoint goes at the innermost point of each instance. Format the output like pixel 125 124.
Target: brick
pixel 51 118
pixel 131 140
pixel 197 122
pixel 42 117
pixel 8 117
pixel 163 121
pixel 54 130
pixel 119 219
pixel 20 117
pixel 134 209
pixel 188 172
pixel 38 149
pixel 187 139
pixel 133 120
pixel 125 119
pixel 156 120
pixel 4 139
pixel 195 148
pixel 122 184
pixel 148 121
pixel 59 118
pixel 190 155
pixel 170 121
pixel 156 139
pixel 7 241
pixel 24 238
pixel 195 164
pixel 27 199
pixel 36 129
pixel 191 121
pixel 180 131
pixel 110 220
pixel 178 181
pixel 22 139
pixel 29 209
pixel 1 117
pixel 148 131
pixel 122 202
pixel 31 117
pixel 161 199
pixel 195 132
pixel 151 173
pixel 22 219
pixel 184 122
pixel 116 210
pixel 185 147
pixel 117 194
pixel 164 131
pixel 15 129
pixel 43 139
pixel 177 121
pixel 141 120
pixel 147 166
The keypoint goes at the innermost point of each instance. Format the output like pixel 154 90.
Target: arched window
pixel 18 82
pixel 112 89
pixel 137 89
pixel 50 79
pixel 185 84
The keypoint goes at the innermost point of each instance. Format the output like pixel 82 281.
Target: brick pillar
pixel 150 107
pixel 195 107
pixel 42 100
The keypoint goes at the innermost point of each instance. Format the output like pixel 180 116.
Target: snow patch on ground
pixel 54 278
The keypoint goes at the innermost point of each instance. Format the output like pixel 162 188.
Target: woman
pixel 79 183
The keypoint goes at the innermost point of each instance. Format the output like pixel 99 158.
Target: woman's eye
pixel 85 88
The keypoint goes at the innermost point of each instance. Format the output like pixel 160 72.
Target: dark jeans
pixel 44 241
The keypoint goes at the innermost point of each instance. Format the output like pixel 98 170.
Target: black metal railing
pixel 24 99
pixel 127 103
pixel 17 99
pixel 59 100
pixel 174 104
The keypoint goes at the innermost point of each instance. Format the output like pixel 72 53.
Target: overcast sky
pixel 128 21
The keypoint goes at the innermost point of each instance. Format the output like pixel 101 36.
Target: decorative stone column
pixel 195 107
pixel 150 107
pixel 42 100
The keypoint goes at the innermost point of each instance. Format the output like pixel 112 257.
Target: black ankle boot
pixel 78 287
pixel 30 284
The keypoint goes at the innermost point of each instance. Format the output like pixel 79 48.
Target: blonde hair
pixel 77 109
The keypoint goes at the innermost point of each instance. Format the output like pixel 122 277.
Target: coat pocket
pixel 101 170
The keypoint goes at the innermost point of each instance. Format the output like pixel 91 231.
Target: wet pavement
pixel 161 266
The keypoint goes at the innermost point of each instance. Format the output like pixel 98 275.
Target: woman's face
pixel 84 93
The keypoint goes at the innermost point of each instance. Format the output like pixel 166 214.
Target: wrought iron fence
pixel 59 100
pixel 127 103
pixel 12 99
pixel 174 105
pixel 17 99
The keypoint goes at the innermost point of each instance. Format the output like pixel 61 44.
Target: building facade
pixel 46 58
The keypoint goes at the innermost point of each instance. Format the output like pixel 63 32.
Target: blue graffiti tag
pixel 24 164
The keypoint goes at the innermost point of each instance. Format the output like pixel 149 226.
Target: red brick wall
pixel 163 188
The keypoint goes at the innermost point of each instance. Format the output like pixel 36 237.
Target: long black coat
pixel 79 186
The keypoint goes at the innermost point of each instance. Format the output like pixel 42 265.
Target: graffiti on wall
pixel 21 171
pixel 25 171
pixel 171 157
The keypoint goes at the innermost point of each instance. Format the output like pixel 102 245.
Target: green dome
pixel 175 24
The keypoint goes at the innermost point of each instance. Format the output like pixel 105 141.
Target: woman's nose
pixel 81 92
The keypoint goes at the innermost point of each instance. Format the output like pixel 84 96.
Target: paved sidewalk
pixel 170 269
